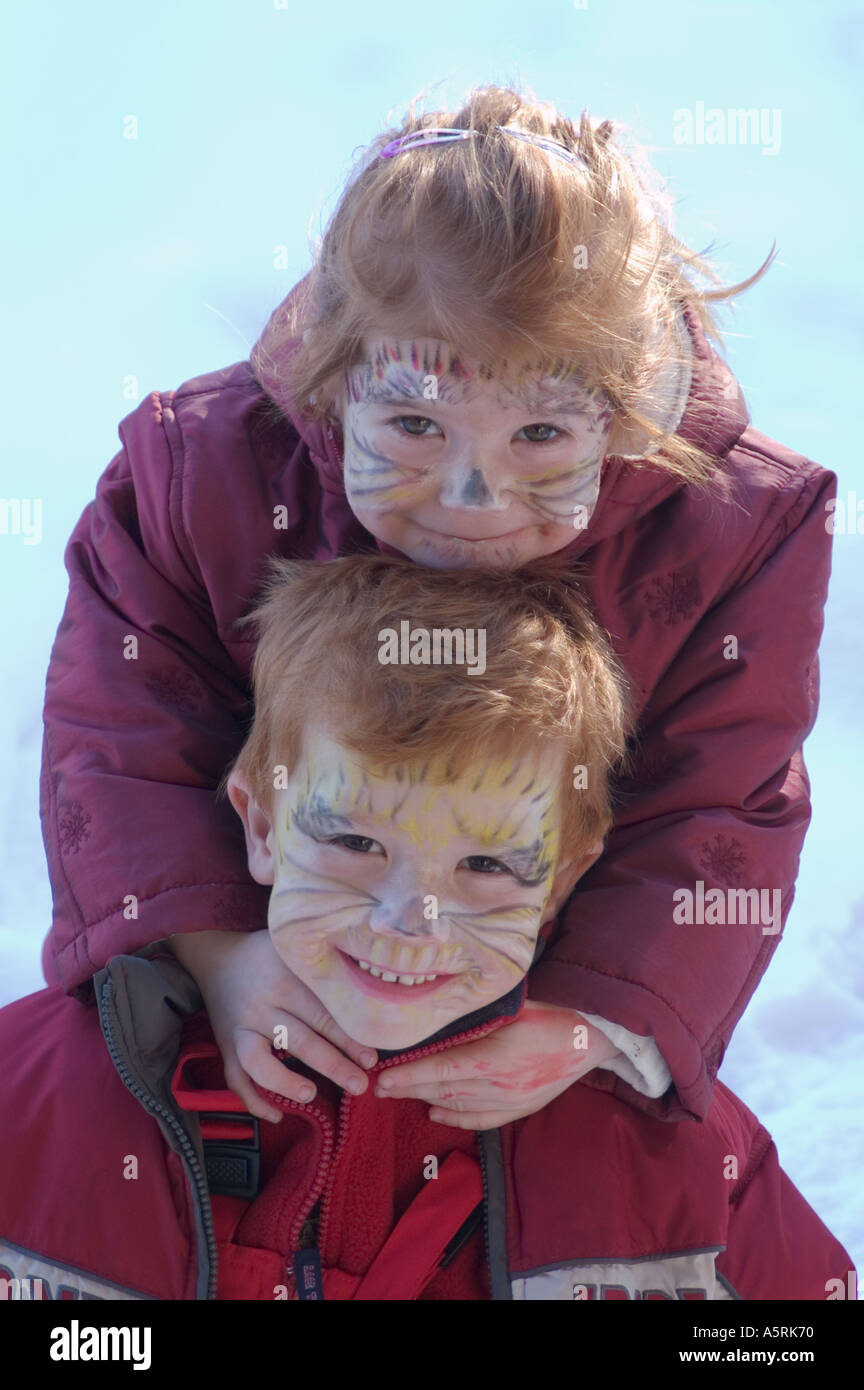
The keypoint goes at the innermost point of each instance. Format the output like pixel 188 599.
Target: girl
pixel 501 354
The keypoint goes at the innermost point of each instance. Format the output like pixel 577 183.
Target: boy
pixel 420 822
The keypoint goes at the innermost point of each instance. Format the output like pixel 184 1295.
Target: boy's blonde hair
pixel 475 242
pixel 551 677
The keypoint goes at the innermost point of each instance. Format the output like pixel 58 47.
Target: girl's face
pixel 455 468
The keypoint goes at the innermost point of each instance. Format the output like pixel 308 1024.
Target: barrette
pixel 434 135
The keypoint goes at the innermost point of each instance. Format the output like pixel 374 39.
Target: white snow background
pixel 158 258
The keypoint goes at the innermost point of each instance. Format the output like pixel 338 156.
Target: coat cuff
pixel 640 1063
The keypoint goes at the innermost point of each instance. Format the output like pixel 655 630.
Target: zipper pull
pixel 307 1273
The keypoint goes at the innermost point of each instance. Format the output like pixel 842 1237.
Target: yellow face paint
pixel 394 873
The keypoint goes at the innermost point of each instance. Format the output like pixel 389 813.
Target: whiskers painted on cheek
pixel 306 902
pixel 510 935
pixel 363 462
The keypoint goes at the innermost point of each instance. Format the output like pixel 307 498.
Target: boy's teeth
pixel 390 978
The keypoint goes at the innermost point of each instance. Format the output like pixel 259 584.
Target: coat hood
pixel 704 401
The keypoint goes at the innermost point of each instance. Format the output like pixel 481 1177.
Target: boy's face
pixel 454 468
pixel 404 905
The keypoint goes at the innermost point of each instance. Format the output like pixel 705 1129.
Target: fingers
pixel 442 1067
pixel 249 1059
pixel 301 1041
pixel 477 1092
pixel 471 1100
pixel 305 1007
pixel 325 1025
pixel 473 1119
pixel 274 1073
pixel 238 1081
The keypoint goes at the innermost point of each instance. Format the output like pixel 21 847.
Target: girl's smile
pixel 500 551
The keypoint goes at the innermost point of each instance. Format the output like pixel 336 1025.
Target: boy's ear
pixel 256 827
pixel 567 877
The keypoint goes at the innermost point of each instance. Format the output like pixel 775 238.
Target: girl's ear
pixel 566 878
pixel 256 827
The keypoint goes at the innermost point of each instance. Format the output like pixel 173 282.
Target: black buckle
pixel 233 1166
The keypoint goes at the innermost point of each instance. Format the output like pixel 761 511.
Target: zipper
pixel 198 1174
pixel 344 1114
pixel 157 1108
pixel 295 1235
pixel 322 1187
pixel 485 1175
pixel 300 1236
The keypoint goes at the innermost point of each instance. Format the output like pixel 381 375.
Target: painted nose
pixel 406 915
pixel 471 488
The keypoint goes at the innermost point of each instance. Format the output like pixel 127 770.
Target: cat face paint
pixel 413 878
pixel 443 461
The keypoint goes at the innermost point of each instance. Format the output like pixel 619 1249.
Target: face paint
pixel 372 477
pixel 563 393
pixel 454 481
pixel 559 495
pixel 476 492
pixel 414 878
pixel 402 371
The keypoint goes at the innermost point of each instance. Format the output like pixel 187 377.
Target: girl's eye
pixel 546 439
pixel 418 427
pixel 358 844
pixel 399 420
pixel 483 864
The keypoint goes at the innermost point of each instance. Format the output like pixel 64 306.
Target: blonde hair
pixel 551 677
pixel 473 242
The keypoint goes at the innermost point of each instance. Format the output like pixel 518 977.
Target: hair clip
pixel 546 143
pixel 434 135
pixel 429 135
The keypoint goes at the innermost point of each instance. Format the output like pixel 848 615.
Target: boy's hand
pixel 249 993
pixel 500 1078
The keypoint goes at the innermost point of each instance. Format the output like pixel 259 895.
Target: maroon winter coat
pixel 212 478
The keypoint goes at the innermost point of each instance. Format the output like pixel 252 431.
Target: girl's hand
pixel 249 993
pixel 500 1078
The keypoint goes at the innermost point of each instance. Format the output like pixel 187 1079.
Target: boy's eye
pixel 483 864
pixel 358 844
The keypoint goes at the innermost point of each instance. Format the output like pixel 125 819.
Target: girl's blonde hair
pixel 550 678
pixel 509 253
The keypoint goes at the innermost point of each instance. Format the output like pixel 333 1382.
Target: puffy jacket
pixel 148 698
pixel 110 1189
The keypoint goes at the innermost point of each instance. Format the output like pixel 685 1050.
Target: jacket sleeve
pixel 719 796
pixel 144 707
pixel 776 1245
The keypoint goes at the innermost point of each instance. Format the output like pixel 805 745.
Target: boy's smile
pixel 443 461
pixel 404 903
